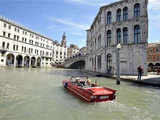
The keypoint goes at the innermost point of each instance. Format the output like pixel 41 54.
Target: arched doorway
pixel 10 60
pixel 150 67
pixel 19 60
pixel 26 61
pixel 33 61
pixel 39 62
pixel 109 63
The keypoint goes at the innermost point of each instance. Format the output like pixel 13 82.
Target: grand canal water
pixel 37 94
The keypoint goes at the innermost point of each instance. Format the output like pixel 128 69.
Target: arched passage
pixel 10 60
pixel 39 62
pixel 26 61
pixel 19 60
pixel 33 61
pixel 150 67
pixel 78 65
pixel 109 62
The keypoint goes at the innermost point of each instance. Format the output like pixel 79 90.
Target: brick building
pixel 153 56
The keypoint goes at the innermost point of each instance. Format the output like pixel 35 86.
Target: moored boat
pixel 90 92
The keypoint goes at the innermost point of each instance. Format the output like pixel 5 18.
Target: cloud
pixel 89 2
pixel 153 4
pixel 70 23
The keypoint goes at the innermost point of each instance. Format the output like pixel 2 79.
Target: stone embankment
pixel 150 79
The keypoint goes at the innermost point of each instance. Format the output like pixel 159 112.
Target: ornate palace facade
pixel 124 22
pixel 23 47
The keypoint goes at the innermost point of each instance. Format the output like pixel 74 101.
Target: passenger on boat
pixel 78 82
pixel 88 82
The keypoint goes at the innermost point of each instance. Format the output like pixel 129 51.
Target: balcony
pixel 3 50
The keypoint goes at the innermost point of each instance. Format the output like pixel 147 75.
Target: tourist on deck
pixel 140 72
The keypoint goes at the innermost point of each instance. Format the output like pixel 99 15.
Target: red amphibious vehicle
pixel 84 89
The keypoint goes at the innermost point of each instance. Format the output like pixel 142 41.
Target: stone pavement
pixel 151 79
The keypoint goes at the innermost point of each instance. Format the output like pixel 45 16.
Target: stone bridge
pixel 75 62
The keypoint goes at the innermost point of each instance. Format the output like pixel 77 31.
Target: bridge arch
pixel 77 65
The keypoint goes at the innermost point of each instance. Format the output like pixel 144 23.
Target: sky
pixel 53 17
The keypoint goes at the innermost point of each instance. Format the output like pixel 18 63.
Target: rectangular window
pixel 5 25
pixel 7 45
pixel 99 41
pixel 14 47
pixel 9 27
pixel 22 48
pixel 17 38
pixel 17 48
pixel 22 39
pixel 4 34
pixel 9 35
pixel 99 62
pixel 3 45
pixel 14 37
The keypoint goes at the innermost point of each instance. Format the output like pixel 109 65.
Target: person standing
pixel 140 72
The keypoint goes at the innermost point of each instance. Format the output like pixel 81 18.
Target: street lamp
pixel 118 64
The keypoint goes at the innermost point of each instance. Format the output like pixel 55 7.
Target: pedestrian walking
pixel 140 72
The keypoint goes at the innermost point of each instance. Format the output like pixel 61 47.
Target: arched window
pixel 109 63
pixel 137 34
pixel 109 17
pixel 125 35
pixel 7 45
pixel 125 13
pixel 118 15
pixel 118 36
pixel 3 45
pixel 137 10
pixel 99 41
pixel 109 37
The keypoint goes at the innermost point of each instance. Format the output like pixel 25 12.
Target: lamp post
pixel 118 64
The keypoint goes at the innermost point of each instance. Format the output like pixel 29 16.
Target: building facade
pixel 124 22
pixel 153 56
pixel 22 47
pixel 83 51
pixel 59 53
pixel 72 50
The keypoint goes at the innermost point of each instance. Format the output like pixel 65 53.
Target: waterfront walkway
pixel 151 79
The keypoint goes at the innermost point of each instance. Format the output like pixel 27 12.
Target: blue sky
pixel 53 17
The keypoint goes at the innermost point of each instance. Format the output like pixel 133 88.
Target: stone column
pixel 15 61
pixel 22 61
pixel 30 62
pixel 35 62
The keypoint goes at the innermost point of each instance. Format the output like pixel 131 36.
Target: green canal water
pixel 37 94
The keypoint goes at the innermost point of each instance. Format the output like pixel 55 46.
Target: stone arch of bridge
pixel 80 64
